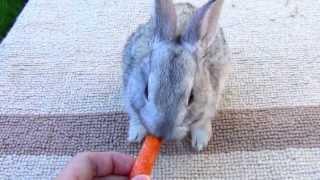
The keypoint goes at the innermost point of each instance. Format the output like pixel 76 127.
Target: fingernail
pixel 141 177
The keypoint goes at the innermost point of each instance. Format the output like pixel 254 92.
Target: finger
pixel 107 163
pixel 78 168
pixel 96 164
pixel 113 178
pixel 141 177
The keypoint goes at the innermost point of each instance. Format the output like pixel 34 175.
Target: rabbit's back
pixel 218 62
pixel 137 47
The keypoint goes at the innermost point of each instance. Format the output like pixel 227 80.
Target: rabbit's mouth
pixel 166 129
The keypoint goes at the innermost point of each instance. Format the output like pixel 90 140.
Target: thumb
pixel 141 177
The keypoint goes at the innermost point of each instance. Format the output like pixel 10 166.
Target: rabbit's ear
pixel 203 26
pixel 165 20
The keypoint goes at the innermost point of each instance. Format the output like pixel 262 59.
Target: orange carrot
pixel 147 156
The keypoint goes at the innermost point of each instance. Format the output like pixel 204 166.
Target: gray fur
pixel 170 69
pixel 165 20
pixel 203 24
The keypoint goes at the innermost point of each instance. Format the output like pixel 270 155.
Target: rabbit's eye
pixel 178 39
pixel 190 100
pixel 146 91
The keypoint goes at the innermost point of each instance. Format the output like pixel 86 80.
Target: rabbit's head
pixel 173 65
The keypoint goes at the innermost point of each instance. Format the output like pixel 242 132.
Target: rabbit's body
pixel 207 79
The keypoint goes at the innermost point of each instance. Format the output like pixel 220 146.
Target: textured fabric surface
pixel 233 130
pixel 64 56
pixel 254 144
pixel 60 86
pixel 284 164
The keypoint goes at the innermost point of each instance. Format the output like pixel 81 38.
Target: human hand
pixel 99 166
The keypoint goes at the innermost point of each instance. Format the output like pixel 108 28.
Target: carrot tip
pixel 147 156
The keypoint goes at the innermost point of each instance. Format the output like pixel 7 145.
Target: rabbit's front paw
pixel 200 138
pixel 136 133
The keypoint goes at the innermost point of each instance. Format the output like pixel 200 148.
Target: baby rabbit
pixel 174 69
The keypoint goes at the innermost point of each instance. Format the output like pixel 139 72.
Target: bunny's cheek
pixel 181 116
pixel 149 117
pixel 138 101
